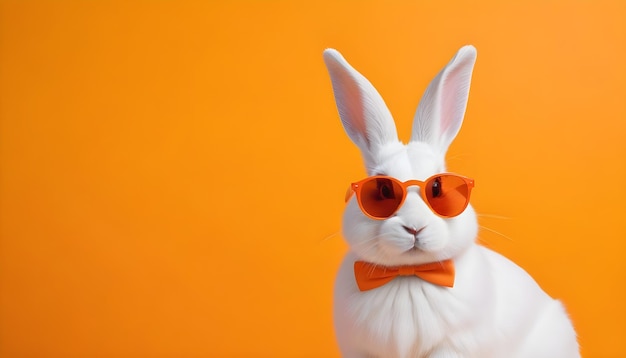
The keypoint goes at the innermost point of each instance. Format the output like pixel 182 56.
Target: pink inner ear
pixel 452 101
pixel 350 105
pixel 357 112
pixel 363 112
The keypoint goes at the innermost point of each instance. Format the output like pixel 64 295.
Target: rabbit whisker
pixel 491 216
pixel 496 232
pixel 481 240
pixel 334 234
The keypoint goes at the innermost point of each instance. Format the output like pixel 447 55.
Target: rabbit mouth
pixel 413 250
pixel 414 232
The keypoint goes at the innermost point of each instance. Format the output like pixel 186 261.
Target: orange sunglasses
pixel 380 196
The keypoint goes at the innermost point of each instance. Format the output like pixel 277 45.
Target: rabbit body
pixel 495 309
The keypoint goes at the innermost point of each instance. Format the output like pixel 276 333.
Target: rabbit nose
pixel 412 230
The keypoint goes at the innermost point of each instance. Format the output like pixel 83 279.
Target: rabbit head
pixel 414 234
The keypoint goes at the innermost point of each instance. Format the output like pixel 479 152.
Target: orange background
pixel 173 173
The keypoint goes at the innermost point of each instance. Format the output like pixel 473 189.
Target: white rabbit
pixel 494 309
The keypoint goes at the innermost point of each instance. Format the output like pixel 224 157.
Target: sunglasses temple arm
pixel 349 193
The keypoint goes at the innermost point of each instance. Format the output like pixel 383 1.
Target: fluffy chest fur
pixel 409 317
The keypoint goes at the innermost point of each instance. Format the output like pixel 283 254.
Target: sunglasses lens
pixel 448 195
pixel 381 197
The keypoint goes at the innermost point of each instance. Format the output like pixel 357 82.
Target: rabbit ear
pixel 363 112
pixel 442 107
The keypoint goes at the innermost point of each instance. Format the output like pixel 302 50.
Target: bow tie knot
pixel 369 276
pixel 406 270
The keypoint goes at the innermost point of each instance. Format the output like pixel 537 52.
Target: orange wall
pixel 172 173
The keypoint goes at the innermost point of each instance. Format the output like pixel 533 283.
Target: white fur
pixel 495 309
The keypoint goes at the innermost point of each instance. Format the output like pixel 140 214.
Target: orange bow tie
pixel 369 276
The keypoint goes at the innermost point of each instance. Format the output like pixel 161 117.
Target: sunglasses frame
pixel 355 188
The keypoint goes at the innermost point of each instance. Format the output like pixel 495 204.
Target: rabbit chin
pixel 386 242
